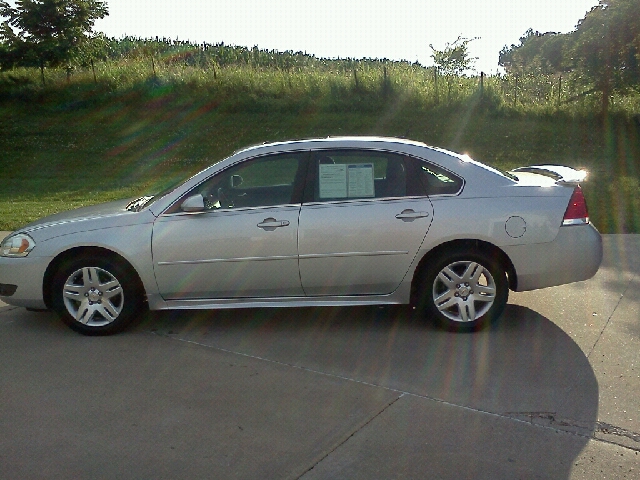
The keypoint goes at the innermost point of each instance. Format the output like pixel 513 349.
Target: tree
pixel 607 47
pixel 46 32
pixel 537 53
pixel 95 48
pixel 602 53
pixel 452 62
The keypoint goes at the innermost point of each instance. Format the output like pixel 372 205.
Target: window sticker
pixel 360 180
pixel 333 181
pixel 346 180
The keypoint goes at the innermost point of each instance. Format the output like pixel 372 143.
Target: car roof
pixel 460 164
pixel 353 141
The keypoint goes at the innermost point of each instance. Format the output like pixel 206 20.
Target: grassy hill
pixel 80 142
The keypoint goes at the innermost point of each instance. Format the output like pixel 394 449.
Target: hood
pixel 82 214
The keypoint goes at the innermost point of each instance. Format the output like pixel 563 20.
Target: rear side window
pixel 358 174
pixel 362 174
pixel 433 180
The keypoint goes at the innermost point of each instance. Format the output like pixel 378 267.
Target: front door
pixel 243 244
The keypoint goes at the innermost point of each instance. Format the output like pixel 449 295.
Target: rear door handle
pixel 271 223
pixel 410 214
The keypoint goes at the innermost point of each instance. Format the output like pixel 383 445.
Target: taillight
pixel 576 213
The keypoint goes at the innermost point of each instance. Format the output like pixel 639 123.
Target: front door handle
pixel 271 223
pixel 410 214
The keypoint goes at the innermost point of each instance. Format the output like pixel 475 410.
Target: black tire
pixel 95 296
pixel 463 290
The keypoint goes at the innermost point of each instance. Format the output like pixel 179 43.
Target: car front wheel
pixel 463 291
pixel 95 296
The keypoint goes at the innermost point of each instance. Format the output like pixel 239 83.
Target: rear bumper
pixel 574 255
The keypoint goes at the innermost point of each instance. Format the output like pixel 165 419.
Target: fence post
pixel 93 69
pixel 481 84
pixel 560 90
pixel 385 82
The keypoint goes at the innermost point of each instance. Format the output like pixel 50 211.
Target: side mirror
pixel 236 181
pixel 194 203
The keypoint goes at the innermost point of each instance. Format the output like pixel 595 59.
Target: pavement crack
pixel 350 436
pixel 551 420
pixel 582 428
pixel 286 364
pixel 608 429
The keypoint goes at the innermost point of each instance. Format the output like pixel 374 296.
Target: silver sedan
pixel 336 221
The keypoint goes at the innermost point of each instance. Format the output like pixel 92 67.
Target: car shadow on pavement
pixel 524 366
pixel 522 370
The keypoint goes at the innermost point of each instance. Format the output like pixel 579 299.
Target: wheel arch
pixel 76 252
pixel 465 244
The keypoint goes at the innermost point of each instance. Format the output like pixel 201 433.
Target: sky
pixel 392 29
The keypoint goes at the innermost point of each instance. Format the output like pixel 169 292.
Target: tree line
pixel 59 33
pixel 602 53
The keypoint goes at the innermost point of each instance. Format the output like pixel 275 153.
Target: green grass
pixel 68 145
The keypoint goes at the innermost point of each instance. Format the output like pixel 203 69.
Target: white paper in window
pixel 333 181
pixel 360 180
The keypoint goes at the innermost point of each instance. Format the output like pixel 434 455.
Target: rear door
pixel 361 224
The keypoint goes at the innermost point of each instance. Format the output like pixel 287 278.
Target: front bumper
pixel 574 255
pixel 25 274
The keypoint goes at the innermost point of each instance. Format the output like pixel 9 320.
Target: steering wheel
pixel 208 204
pixel 225 200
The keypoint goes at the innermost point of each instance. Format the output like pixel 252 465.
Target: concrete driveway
pixel 550 391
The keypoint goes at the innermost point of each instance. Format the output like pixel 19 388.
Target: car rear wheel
pixel 463 290
pixel 95 296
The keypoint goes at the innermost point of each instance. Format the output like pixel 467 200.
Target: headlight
pixel 18 245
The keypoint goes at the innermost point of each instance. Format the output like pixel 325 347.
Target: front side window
pixel 260 182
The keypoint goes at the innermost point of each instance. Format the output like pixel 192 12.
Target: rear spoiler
pixel 562 175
